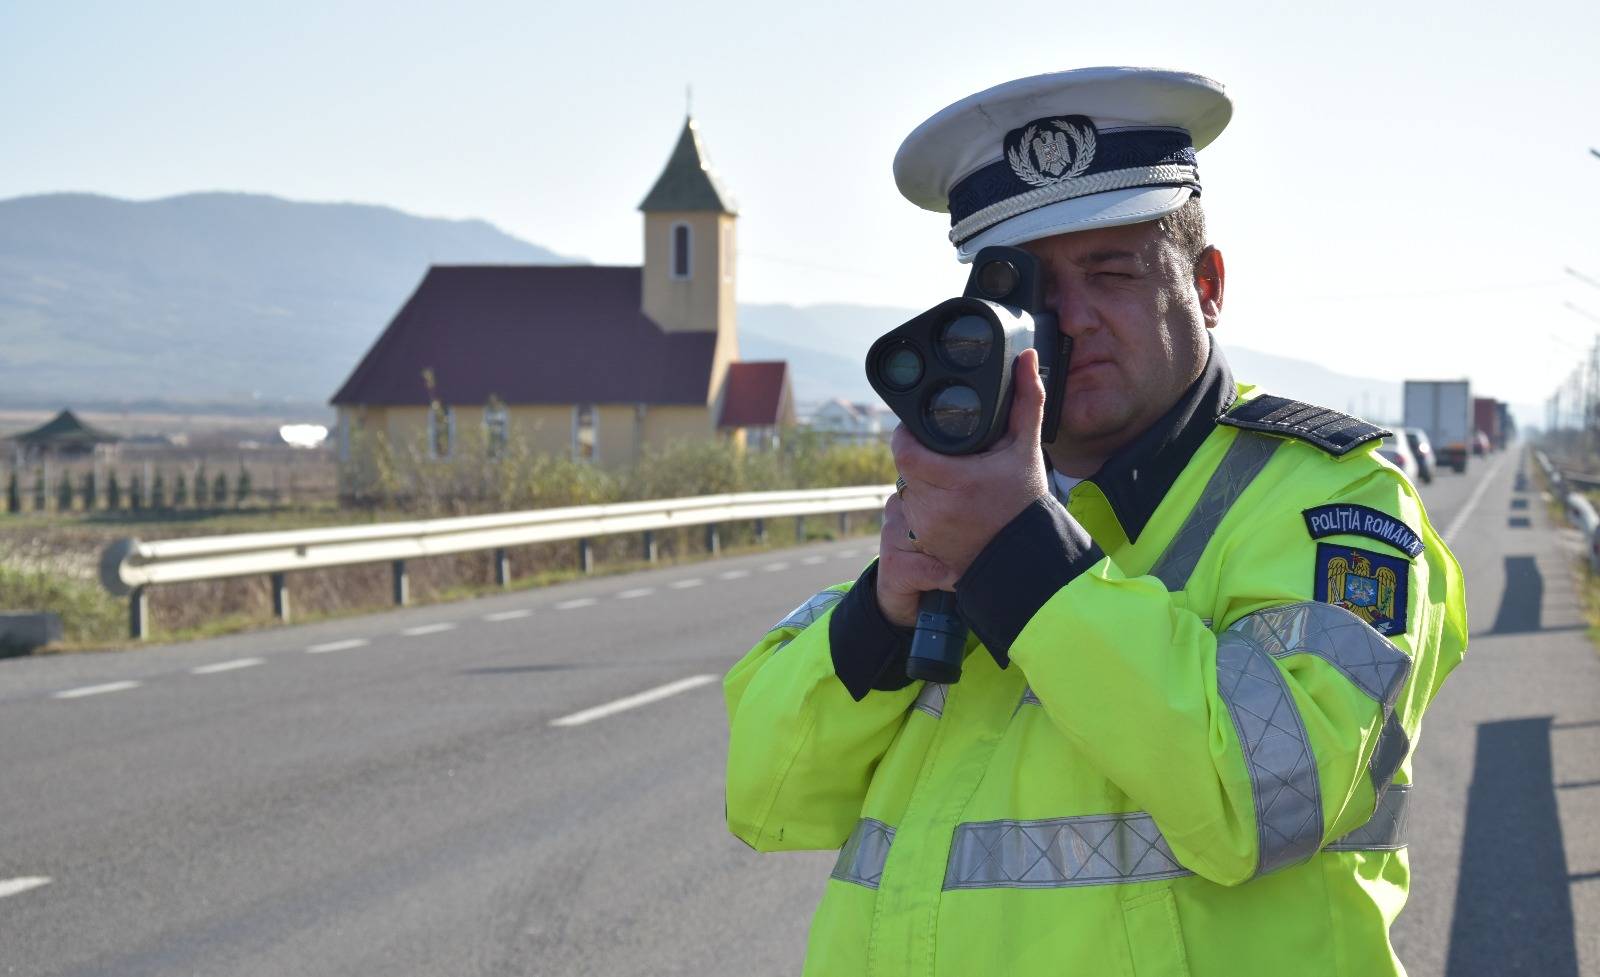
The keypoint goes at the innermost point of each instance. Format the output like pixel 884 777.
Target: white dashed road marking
pixel 849 554
pixel 11 887
pixel 1472 502
pixel 685 584
pixel 96 690
pixel 812 561
pixel 507 615
pixel 423 629
pixel 775 567
pixel 226 666
pixel 569 605
pixel 634 701
pixel 733 574
pixel 636 592
pixel 344 645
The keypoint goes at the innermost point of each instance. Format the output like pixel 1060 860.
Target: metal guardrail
pixel 1580 512
pixel 129 567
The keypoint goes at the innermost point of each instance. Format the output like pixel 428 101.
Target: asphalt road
pixel 531 784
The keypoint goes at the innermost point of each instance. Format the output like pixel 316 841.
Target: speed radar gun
pixel 948 375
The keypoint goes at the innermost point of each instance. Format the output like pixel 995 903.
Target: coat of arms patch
pixel 1372 586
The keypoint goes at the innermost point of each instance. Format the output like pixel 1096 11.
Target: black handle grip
pixel 940 637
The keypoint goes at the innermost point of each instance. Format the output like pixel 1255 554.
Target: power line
pixel 1582 311
pixel 1580 276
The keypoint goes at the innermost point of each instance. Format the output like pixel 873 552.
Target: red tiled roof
pixel 757 394
pixel 531 334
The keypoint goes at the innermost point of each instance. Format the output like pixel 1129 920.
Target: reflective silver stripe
pixel 1277 751
pixel 1097 849
pixel 862 858
pixel 1370 661
pixel 1029 698
pixel 1248 454
pixel 931 699
pixel 1389 754
pixel 1106 849
pixel 1386 829
pixel 807 613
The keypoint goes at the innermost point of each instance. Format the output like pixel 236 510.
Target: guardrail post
pixel 138 614
pixel 402 583
pixel 844 524
pixel 585 556
pixel 280 597
pixel 650 552
pixel 713 539
pixel 761 532
pixel 502 567
pixel 799 529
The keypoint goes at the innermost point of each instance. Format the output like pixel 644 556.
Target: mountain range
pixel 244 301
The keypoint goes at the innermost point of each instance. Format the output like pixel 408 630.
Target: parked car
pixel 1422 450
pixel 1398 452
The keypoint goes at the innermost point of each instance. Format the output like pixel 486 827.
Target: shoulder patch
pixel 1372 586
pixel 1328 429
pixel 1347 518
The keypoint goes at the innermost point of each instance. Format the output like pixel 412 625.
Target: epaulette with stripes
pixel 1330 430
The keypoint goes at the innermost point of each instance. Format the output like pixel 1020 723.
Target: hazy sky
pixel 1398 195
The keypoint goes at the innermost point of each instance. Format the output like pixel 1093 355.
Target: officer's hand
pixel 904 572
pixel 956 504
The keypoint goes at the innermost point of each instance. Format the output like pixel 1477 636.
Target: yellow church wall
pixel 545 429
pixel 663 425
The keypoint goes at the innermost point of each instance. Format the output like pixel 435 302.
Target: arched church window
pixel 680 251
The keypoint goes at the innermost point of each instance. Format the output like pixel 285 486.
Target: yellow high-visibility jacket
pixel 1196 759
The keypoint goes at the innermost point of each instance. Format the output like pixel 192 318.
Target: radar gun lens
pixel 954 412
pixel 902 367
pixel 966 342
pixel 997 278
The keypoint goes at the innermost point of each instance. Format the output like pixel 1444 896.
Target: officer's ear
pixel 1209 276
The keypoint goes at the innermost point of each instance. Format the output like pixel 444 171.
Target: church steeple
pixel 688 183
pixel 688 275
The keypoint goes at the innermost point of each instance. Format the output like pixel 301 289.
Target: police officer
pixel 1205 623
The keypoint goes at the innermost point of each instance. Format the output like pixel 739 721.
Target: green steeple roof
pixel 688 182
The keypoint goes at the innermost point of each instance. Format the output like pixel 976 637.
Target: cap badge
pixel 1048 151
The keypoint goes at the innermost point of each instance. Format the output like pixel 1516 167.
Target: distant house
pixel 595 363
pixel 62 437
pixel 843 421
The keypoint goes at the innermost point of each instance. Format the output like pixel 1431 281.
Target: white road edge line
pixel 636 592
pixel 1460 520
pixel 227 666
pixel 423 629
pixel 685 584
pixel 572 605
pixel 97 690
pixel 11 887
pixel 634 701
pixel 344 645
pixel 507 615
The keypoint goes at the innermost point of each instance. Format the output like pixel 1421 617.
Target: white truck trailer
pixel 1443 408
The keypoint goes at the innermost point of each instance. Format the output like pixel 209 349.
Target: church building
pixel 592 362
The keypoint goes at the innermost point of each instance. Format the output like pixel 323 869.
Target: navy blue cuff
pixel 1040 551
pixel 868 652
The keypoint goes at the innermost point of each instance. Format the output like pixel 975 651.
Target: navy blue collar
pixel 1138 476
